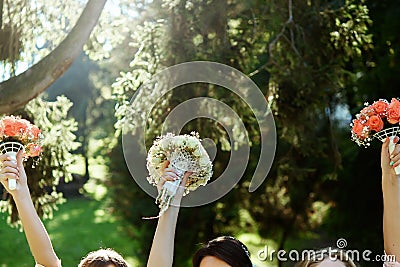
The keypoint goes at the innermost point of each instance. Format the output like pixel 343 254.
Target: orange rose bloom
pixel 380 106
pixel 35 131
pixel 358 128
pixel 375 123
pixel 11 126
pixel 368 111
pixel 393 113
pixel 33 150
pixel 21 125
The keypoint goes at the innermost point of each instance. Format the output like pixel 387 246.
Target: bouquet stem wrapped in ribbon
pixel 170 188
pixel 185 154
pixel 17 134
pixel 380 121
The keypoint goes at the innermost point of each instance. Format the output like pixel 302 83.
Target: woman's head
pixel 103 258
pixel 328 258
pixel 222 251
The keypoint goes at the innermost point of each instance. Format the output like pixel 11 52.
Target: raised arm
pixel 391 199
pixel 35 232
pixel 162 249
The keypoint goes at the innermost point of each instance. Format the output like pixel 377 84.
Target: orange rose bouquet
pixel 17 134
pixel 379 120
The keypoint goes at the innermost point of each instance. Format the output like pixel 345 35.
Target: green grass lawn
pixel 78 227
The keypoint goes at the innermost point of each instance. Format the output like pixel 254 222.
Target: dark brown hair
pixel 103 258
pixel 225 248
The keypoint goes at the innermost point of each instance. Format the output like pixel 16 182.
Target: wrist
pixel 22 193
pixel 391 193
pixel 176 202
pixel 390 179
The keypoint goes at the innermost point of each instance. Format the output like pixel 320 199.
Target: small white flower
pixel 156 160
pixel 197 152
pixel 164 143
pixel 192 143
pixel 179 141
pixel 204 161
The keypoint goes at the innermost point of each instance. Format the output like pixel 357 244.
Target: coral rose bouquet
pixel 379 120
pixel 17 134
pixel 184 153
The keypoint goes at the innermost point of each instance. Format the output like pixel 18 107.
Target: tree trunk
pixel 19 90
pixel 1 13
pixel 285 235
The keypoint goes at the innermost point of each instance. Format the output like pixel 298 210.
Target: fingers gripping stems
pixel 11 149
pixel 168 191
pixel 392 146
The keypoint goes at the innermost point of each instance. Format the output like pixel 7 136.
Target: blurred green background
pixel 316 62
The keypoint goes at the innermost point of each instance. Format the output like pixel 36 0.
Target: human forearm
pixel 35 232
pixel 162 249
pixel 391 214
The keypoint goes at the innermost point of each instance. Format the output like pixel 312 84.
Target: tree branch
pixel 289 21
pixel 19 90
pixel 278 36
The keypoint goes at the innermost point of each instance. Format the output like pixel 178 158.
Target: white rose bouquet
pixel 185 153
